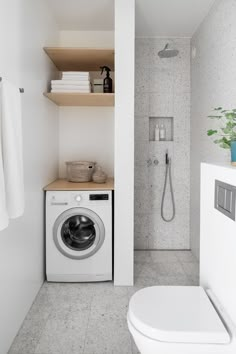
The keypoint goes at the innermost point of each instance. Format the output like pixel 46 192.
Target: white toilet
pixel 195 319
pixel 180 320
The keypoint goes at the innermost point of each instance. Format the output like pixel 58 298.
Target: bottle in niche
pixel 162 134
pixel 157 133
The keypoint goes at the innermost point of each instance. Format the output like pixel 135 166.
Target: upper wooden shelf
pixel 80 59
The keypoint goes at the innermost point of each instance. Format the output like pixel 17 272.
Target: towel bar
pixel 20 89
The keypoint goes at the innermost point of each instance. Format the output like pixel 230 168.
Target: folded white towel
pixel 81 73
pixel 78 75
pixel 70 91
pixel 71 87
pixel 76 78
pixel 70 82
pixel 12 148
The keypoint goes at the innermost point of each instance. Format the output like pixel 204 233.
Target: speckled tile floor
pixel 91 318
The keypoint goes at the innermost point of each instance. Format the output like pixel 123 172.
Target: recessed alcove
pixel 168 123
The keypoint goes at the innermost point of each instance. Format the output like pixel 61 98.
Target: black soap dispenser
pixel 107 82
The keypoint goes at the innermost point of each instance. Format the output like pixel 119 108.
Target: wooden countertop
pixel 64 185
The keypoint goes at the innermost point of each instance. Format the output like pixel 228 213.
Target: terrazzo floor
pixel 91 318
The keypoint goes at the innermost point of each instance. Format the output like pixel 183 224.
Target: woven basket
pixel 80 171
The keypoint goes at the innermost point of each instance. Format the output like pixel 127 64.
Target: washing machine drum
pixel 78 233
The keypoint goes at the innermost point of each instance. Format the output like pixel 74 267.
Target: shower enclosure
pixel 162 97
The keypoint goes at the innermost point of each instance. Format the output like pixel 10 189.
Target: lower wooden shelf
pixel 64 185
pixel 82 99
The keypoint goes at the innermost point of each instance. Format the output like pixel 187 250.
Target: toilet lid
pixel 176 314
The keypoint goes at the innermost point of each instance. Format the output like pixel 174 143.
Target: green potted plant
pixel 226 133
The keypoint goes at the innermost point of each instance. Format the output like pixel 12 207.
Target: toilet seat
pixel 177 314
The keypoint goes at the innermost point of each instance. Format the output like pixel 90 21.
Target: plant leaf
pixel 224 145
pixel 211 132
pixel 226 130
pixel 217 117
pixel 230 115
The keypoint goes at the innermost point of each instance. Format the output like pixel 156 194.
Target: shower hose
pixel 168 173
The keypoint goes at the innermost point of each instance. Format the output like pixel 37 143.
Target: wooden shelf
pixel 64 185
pixel 82 99
pixel 80 59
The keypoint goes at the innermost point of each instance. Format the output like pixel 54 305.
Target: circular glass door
pixel 78 233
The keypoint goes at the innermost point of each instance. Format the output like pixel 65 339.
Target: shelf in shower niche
pixel 160 141
pixel 169 125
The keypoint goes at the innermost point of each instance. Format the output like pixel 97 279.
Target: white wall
pixel 218 241
pixel 162 89
pixel 87 133
pixel 90 39
pixel 25 27
pixel 213 85
pixel 124 141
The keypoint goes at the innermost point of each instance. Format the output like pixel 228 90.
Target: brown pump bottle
pixel 107 82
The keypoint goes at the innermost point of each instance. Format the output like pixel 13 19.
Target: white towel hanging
pixel 4 220
pixel 11 137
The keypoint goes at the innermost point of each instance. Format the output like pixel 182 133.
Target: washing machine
pixel 78 236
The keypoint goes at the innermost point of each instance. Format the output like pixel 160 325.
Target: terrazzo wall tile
pixel 160 105
pixel 142 200
pixel 142 128
pixel 142 80
pixel 141 223
pixel 141 176
pixel 162 90
pixel 142 52
pixel 213 77
pixel 161 81
pixel 140 241
pixel 141 104
pixel 141 153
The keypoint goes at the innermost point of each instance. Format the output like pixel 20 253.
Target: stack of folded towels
pixel 72 81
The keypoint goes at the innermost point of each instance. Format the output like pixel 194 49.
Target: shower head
pixel 168 53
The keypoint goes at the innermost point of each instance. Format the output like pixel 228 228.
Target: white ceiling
pixel 177 18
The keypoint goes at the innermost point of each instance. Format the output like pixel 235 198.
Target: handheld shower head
pixel 168 53
pixel 167 158
pixel 168 174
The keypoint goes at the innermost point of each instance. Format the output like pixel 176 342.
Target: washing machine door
pixel 78 233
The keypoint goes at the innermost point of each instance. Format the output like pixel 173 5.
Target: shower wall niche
pixel 162 95
pixel 168 124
